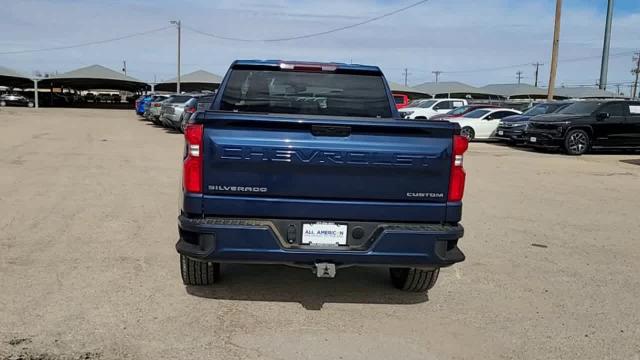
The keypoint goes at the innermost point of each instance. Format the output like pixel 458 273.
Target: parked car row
pixel 574 127
pixel 26 98
pixel 172 111
pixel 586 125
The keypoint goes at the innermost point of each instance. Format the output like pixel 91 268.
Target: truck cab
pixel 310 165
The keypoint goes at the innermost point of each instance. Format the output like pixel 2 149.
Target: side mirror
pixel 602 116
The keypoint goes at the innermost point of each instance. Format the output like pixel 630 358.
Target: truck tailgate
pixel 314 164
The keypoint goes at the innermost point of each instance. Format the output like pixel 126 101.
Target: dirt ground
pixel 88 269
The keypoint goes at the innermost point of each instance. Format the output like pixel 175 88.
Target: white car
pixel 482 123
pixel 424 109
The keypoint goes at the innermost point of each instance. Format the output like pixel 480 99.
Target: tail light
pixel 457 179
pixel 157 104
pixel 190 109
pixel 192 167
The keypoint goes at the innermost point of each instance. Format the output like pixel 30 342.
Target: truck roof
pixel 279 64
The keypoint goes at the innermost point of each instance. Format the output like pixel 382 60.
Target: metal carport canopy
pixel 585 93
pixel 94 77
pixel 515 91
pixel 195 81
pixel 399 88
pixel 451 88
pixel 13 79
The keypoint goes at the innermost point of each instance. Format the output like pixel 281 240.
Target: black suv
pixel 512 128
pixel 588 124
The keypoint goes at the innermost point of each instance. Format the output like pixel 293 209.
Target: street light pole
pixel 604 65
pixel 178 23
pixel 35 93
pixel 554 53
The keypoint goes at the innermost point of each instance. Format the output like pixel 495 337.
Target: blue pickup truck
pixel 310 165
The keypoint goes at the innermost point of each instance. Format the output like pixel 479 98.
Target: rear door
pixel 443 107
pixel 489 124
pixel 612 130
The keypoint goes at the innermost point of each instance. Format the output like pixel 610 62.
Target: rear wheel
pixel 413 279
pixel 3 103
pixel 576 142
pixel 198 272
pixel 468 133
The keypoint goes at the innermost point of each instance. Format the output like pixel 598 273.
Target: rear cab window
pixel 308 93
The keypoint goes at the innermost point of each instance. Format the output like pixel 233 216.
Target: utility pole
pixel 406 75
pixel 537 65
pixel 604 65
pixel 636 71
pixel 618 89
pixel 177 23
pixel 124 67
pixel 554 53
pixel 437 74
pixel 519 76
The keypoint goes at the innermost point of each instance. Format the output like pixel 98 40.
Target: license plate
pixel 533 139
pixel 500 132
pixel 323 234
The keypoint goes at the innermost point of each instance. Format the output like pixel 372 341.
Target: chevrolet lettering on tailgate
pixel 322 156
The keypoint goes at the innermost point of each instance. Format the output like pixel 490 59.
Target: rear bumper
pixel 172 119
pixel 263 242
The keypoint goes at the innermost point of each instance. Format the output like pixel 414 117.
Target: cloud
pixel 439 35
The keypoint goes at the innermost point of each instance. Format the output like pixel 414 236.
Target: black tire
pixel 196 273
pixel 468 133
pixel 412 279
pixel 577 142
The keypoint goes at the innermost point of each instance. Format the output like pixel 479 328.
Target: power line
pixel 507 67
pixel 85 44
pixel 306 36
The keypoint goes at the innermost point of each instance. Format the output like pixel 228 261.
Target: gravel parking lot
pixel 88 269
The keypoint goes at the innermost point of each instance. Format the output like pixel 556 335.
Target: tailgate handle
pixel 329 130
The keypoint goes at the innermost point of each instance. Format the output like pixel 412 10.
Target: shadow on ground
pixel 287 284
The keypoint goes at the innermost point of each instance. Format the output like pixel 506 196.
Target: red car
pixel 401 100
pixel 461 111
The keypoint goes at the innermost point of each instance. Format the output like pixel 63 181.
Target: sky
pixel 466 39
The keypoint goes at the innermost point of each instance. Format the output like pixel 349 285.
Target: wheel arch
pixel 587 128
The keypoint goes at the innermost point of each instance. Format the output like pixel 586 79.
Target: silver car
pixel 173 110
pixel 153 110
